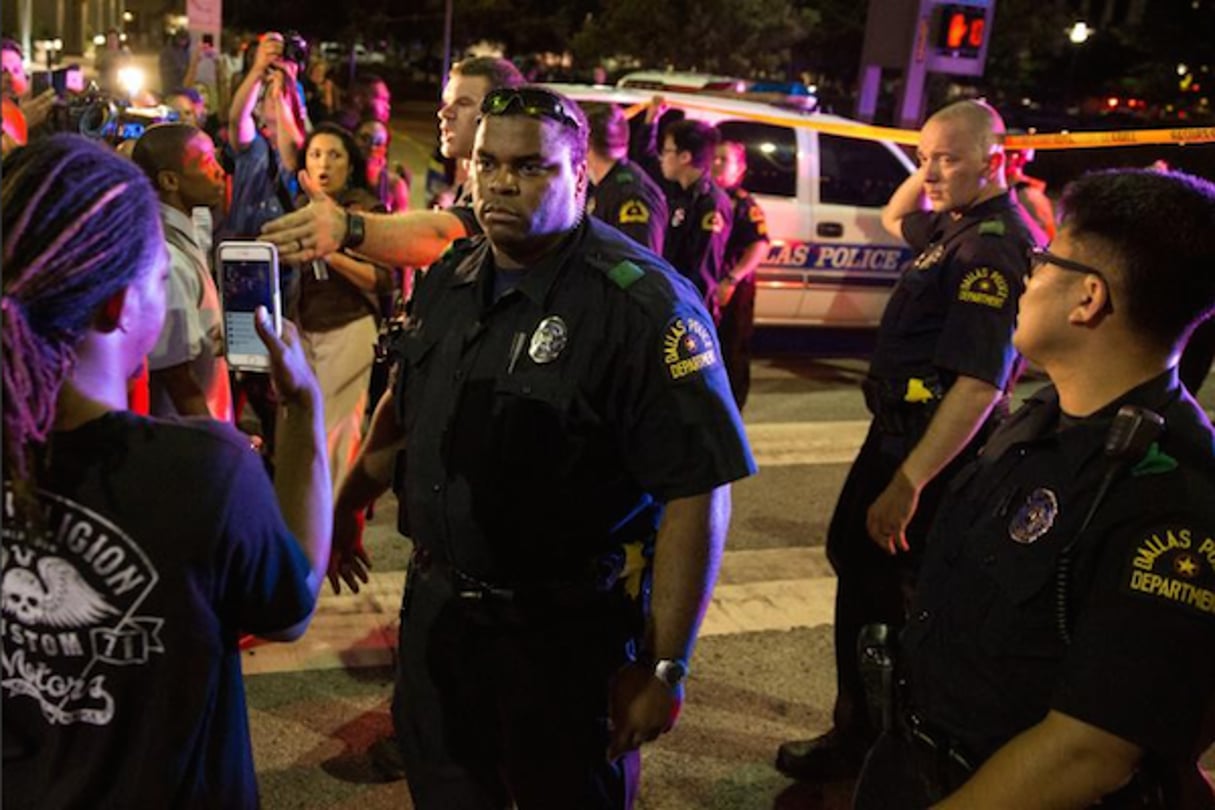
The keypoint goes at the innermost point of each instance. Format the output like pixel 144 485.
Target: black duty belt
pixel 902 407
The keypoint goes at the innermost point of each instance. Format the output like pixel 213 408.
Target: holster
pixel 892 413
pixel 876 656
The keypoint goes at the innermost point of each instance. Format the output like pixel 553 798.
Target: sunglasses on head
pixel 529 101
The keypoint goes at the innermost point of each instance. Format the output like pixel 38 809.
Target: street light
pixel 1079 32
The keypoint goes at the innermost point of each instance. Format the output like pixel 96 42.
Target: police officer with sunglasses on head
pixel 564 439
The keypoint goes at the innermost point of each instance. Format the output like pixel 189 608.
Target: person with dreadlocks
pixel 135 550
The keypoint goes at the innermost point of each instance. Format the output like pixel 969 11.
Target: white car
pixel 831 263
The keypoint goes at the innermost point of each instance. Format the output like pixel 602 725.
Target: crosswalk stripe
pixel 778 444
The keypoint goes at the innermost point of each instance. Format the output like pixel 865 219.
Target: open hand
pixel 312 232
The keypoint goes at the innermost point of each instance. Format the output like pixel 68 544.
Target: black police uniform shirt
pixel 548 427
pixel 628 200
pixel 122 673
pixel 983 651
pixel 462 209
pixel 955 304
pixel 697 233
pixel 748 226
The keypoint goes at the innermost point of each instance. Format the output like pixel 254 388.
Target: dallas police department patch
pixel 984 286
pixel 634 211
pixel 1035 517
pixel 713 222
pixel 688 347
pixel 929 258
pixel 1175 565
pixel 549 340
pixel 69 612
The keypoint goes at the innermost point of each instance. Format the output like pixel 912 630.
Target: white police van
pixel 831 263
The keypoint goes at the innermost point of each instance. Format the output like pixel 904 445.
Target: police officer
pixel 1063 637
pixel 701 213
pixel 567 419
pixel 746 248
pixel 942 363
pixel 623 194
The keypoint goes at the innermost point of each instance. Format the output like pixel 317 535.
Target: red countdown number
pixel 962 29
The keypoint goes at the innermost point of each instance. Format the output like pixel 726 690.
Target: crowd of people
pixel 1025 612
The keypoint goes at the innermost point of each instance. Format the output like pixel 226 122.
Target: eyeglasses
pixel 1039 256
pixel 372 140
pixel 530 101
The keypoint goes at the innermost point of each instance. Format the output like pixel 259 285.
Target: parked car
pixel 831 263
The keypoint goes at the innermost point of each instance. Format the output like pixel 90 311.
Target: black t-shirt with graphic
pixel 161 542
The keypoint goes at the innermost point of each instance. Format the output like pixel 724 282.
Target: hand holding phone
pixel 249 279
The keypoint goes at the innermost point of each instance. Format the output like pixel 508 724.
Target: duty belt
pixel 902 407
pixel 939 756
pixel 621 567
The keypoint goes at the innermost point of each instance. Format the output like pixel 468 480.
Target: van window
pixel 771 156
pixel 857 172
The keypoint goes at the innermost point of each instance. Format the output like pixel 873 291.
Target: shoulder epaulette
pixel 625 274
pixel 992 227
pixel 624 176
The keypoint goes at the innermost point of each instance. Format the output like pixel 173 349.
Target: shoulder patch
pixel 985 286
pixel 1175 565
pixel 756 214
pixel 625 274
pixel 624 176
pixel 992 227
pixel 634 211
pixel 1154 462
pixel 688 347
pixel 713 222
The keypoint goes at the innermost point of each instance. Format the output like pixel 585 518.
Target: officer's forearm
pixel 1059 763
pixel 957 419
pixel 686 558
pixel 750 260
pixel 409 239
pixel 907 199
pixel 371 473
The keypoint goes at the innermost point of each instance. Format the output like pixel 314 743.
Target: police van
pixel 830 263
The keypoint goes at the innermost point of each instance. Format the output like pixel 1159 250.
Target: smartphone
pixel 248 278
pixel 73 79
pixel 40 82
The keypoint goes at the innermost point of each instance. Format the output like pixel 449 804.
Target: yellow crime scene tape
pixel 910 137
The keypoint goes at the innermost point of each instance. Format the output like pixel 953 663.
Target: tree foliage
pixel 736 37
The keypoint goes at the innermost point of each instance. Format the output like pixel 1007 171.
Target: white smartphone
pixel 248 278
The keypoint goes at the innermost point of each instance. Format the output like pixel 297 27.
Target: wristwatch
pixel 671 671
pixel 355 232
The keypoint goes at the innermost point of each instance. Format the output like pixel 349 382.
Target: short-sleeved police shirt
pixel 697 233
pixel 628 200
pixel 550 425
pixel 955 305
pixel 748 226
pixel 984 650
pixel 462 209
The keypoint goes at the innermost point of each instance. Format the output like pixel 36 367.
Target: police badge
pixel 548 340
pixel 931 256
pixel 1035 517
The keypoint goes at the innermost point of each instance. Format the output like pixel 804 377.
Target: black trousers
pixel 734 333
pixel 872 586
pixel 495 704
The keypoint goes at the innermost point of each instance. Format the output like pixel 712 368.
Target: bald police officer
pixel 1063 638
pixel 570 440
pixel 623 195
pixel 942 363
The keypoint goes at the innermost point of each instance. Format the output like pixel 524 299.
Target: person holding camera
pixel 267 132
pixel 136 550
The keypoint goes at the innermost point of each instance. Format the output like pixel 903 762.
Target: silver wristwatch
pixel 671 671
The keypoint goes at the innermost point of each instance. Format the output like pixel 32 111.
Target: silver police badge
pixel 1035 517
pixel 549 340
pixel 929 257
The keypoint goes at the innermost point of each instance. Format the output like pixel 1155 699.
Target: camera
pixel 296 50
pixel 100 116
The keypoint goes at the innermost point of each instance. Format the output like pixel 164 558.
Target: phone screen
pixel 73 79
pixel 248 284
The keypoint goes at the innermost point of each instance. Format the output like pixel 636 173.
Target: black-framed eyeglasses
pixel 530 101
pixel 1039 256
